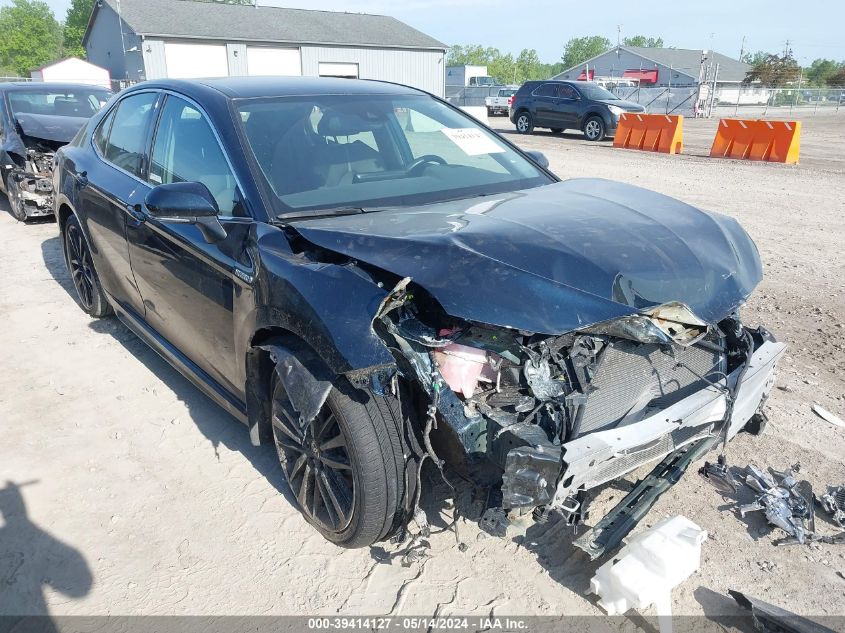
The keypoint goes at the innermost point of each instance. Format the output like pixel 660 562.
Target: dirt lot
pixel 128 492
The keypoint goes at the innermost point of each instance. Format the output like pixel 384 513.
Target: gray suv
pixel 569 105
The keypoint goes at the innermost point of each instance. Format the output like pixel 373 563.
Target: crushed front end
pixel 560 415
pixel 34 180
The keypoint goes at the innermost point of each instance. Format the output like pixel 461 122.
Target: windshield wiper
pixel 310 214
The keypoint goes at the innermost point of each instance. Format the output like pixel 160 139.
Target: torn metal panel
pixel 306 392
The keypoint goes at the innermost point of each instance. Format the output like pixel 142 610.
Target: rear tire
pixel 89 292
pixel 524 123
pixel 16 203
pixel 346 468
pixel 594 129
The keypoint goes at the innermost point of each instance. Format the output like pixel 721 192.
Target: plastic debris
pixel 718 475
pixel 834 504
pixel 787 502
pixel 824 414
pixel 650 565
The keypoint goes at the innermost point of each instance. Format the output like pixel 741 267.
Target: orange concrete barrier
pixel 774 141
pixel 651 132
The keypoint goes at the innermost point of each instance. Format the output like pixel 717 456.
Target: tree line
pixel 31 37
pixel 770 69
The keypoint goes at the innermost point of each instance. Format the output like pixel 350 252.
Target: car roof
pixel 15 86
pixel 255 87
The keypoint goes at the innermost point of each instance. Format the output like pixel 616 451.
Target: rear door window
pixel 128 136
pixel 568 92
pixel 546 90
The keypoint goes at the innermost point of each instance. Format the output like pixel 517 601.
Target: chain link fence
pixel 761 102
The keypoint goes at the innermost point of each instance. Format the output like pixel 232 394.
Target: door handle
pixel 82 179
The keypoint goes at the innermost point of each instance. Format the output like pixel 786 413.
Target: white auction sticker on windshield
pixel 472 141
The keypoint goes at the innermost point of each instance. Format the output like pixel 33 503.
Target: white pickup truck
pixel 501 102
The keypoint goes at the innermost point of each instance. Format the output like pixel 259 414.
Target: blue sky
pixel 813 27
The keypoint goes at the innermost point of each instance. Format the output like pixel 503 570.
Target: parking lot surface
pixel 128 492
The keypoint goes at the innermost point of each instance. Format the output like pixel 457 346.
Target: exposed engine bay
pixel 34 178
pixel 560 415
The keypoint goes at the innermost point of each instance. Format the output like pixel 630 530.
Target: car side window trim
pixel 204 114
pixel 106 117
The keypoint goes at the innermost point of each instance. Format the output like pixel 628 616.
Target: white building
pixel 153 39
pixel 73 70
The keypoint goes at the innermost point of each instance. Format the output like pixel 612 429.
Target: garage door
pixel 188 61
pixel 349 71
pixel 263 60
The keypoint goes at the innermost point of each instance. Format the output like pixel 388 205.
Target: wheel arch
pixel 595 112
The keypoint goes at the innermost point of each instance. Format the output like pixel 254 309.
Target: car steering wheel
pixel 422 161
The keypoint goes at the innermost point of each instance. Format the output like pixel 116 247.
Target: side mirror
pixel 538 157
pixel 189 203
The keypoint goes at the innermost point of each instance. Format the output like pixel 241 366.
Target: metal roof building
pixel 660 67
pixel 153 39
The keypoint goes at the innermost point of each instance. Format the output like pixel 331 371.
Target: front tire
pixel 524 123
pixel 16 204
pixel 594 129
pixel 89 292
pixel 346 467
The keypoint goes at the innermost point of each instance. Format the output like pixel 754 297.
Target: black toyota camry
pixel 372 281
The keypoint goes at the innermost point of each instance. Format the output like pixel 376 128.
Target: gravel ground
pixel 128 492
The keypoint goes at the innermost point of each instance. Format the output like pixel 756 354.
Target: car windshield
pixel 596 92
pixel 376 150
pixel 79 102
pixel 507 93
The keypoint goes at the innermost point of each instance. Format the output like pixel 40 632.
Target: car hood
pixel 628 106
pixel 59 129
pixel 556 258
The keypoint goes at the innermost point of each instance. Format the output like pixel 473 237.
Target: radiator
pixel 633 378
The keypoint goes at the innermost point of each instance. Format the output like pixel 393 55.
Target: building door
pixel 191 61
pixel 266 60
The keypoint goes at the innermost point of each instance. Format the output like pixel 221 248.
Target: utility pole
pixel 742 48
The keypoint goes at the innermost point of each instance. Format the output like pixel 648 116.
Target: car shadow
pixel 32 559
pixel 54 260
pixel 212 421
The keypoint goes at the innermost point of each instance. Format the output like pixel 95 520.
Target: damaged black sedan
pixel 371 280
pixel 36 119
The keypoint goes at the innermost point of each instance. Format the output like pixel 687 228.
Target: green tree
pixel 837 80
pixel 76 21
pixel 641 41
pixel 775 70
pixel 528 66
pixel 30 36
pixel 548 71
pixel 820 72
pixel 579 49
pixel 754 59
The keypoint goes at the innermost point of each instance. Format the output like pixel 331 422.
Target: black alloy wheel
pixel 317 466
pixel 89 294
pixel 16 203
